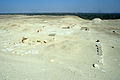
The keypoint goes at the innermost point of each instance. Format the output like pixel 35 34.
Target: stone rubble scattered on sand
pixel 39 30
pixel 101 61
pixel 53 34
pixel 113 47
pixel 99 48
pixel 99 52
pixel 28 44
pixel 96 66
pixel 23 39
pixel 65 50
pixel 84 28
pixel 66 27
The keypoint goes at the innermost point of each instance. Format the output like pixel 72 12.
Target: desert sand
pixel 42 47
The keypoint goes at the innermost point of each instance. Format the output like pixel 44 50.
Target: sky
pixel 59 6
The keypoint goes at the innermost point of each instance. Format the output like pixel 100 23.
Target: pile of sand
pixel 97 20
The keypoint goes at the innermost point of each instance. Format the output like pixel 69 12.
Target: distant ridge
pixel 81 15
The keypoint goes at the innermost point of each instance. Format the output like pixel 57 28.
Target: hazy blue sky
pixel 38 6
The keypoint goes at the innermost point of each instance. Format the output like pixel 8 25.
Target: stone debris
pixel 101 61
pixel 44 41
pixel 114 32
pixel 99 52
pixel 66 27
pixel 39 41
pixel 51 40
pixel 33 42
pixel 39 30
pixel 96 66
pixel 23 39
pixel 84 28
pixel 113 47
pixel 99 49
pixel 52 34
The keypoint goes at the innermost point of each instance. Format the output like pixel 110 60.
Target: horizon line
pixel 56 13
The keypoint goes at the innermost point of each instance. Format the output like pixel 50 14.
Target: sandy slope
pixel 58 48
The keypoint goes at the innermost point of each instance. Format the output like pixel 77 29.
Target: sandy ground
pixel 58 48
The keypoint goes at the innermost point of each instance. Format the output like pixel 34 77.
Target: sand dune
pixel 58 48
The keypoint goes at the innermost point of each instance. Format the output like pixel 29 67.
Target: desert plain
pixel 44 47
